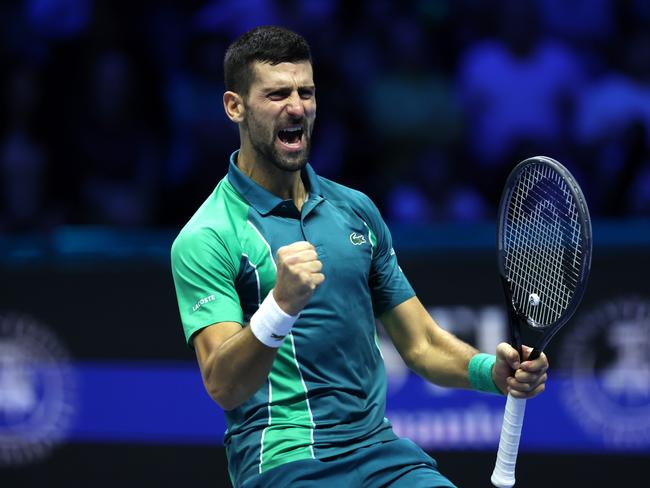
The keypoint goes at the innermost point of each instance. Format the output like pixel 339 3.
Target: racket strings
pixel 528 280
pixel 524 279
pixel 542 244
pixel 573 271
pixel 547 233
pixel 548 252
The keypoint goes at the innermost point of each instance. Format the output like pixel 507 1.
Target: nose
pixel 295 106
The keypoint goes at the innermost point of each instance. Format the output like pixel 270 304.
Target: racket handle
pixel 503 475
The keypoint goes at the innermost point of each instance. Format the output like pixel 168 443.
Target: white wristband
pixel 270 324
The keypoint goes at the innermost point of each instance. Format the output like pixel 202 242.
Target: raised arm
pixel 235 361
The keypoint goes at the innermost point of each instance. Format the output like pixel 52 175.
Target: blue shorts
pixel 398 463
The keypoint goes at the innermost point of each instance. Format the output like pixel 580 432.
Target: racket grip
pixel 503 475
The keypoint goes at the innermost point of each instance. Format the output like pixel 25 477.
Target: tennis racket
pixel 544 255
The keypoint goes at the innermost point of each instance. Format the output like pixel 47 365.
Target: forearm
pixel 433 353
pixel 443 359
pixel 236 369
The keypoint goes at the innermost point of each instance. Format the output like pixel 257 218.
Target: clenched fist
pixel 298 276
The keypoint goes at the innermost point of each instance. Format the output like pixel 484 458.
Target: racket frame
pixel 503 475
pixel 516 318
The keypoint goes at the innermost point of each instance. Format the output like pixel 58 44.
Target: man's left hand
pixel 522 379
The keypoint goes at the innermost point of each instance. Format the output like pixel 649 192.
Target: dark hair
pixel 269 44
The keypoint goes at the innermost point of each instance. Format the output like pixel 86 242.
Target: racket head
pixel 544 246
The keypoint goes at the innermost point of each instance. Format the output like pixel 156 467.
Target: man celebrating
pixel 280 275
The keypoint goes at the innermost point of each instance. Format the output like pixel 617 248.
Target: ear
pixel 233 104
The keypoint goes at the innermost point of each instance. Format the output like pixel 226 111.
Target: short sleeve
pixel 388 285
pixel 204 278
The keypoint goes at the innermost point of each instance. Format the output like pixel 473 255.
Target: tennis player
pixel 280 275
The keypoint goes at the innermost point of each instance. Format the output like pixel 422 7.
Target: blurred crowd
pixel 111 112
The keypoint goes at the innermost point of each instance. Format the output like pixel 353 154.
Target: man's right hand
pixel 298 276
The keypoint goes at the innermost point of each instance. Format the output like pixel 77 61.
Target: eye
pixel 278 95
pixel 306 93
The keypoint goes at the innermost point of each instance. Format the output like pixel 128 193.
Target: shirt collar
pixel 259 197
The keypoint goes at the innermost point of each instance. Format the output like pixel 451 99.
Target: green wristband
pixel 480 373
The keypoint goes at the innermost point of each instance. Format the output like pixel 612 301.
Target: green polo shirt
pixel 326 392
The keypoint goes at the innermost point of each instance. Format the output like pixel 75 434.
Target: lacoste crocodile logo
pixel 357 239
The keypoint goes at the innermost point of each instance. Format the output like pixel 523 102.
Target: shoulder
pixel 340 194
pixel 215 226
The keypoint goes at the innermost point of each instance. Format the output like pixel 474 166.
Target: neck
pixel 287 185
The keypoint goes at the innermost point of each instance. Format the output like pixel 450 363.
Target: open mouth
pixel 291 136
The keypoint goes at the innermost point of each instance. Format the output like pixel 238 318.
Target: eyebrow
pixel 280 87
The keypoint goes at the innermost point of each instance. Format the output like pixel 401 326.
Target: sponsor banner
pixel 463 420
pixel 145 402
pixel 597 398
pixel 166 403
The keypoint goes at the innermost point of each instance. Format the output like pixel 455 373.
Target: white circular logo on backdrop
pixel 607 355
pixel 37 390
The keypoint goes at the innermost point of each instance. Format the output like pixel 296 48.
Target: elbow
pixel 227 404
pixel 413 359
pixel 223 392
pixel 225 397
pixel 222 397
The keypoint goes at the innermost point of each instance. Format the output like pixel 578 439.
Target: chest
pixel 341 237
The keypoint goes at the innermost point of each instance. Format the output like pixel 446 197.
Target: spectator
pixel 613 125
pixel 517 88
pixel 120 154
pixel 23 156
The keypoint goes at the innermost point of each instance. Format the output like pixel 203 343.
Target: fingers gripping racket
pixel 544 256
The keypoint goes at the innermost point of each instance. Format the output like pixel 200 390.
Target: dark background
pixel 111 112
pixel 127 465
pixel 112 132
